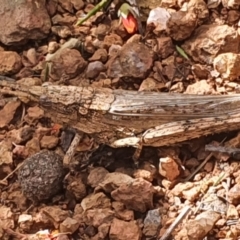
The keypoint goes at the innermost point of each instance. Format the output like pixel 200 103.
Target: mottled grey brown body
pixel 130 118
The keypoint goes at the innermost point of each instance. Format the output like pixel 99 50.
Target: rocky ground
pixel 102 194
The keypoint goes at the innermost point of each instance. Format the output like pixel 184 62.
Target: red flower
pixel 130 23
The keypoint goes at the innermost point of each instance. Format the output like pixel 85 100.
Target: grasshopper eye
pixel 45 101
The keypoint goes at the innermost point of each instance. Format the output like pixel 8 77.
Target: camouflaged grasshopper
pixel 121 118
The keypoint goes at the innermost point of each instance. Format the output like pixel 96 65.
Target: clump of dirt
pixel 41 175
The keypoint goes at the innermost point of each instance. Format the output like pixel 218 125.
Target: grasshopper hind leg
pixel 137 155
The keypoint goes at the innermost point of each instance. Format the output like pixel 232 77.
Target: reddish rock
pixel 69 225
pixel 101 31
pixel 6 155
pixel 200 71
pixel 137 195
pixel 169 4
pixel 6 217
pixel 201 225
pixel 181 25
pixel 30 58
pixel 122 230
pixel 103 231
pixel 227 64
pixel 65 19
pixel 99 55
pixel 53 47
pixel 133 60
pixel 98 200
pixel 233 16
pixel 78 210
pixel 213 39
pixel 165 47
pixel 78 4
pixel 121 212
pixel 66 5
pixel 232 212
pixel 61 31
pixel 68 65
pixel 201 87
pixel 111 39
pixel 35 113
pixel 113 180
pixel 142 173
pixel 25 73
pixel 55 214
pixel 169 168
pixel 96 176
pixel 98 216
pixel 49 142
pixel 77 188
pixel 231 4
pixel 114 49
pixel 200 8
pixel 33 146
pixel 188 190
pixel 23 20
pixel 51 7
pixel 21 135
pixel 233 194
pixel 10 62
pixel 94 69
pixel 150 84
pixel 7 113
